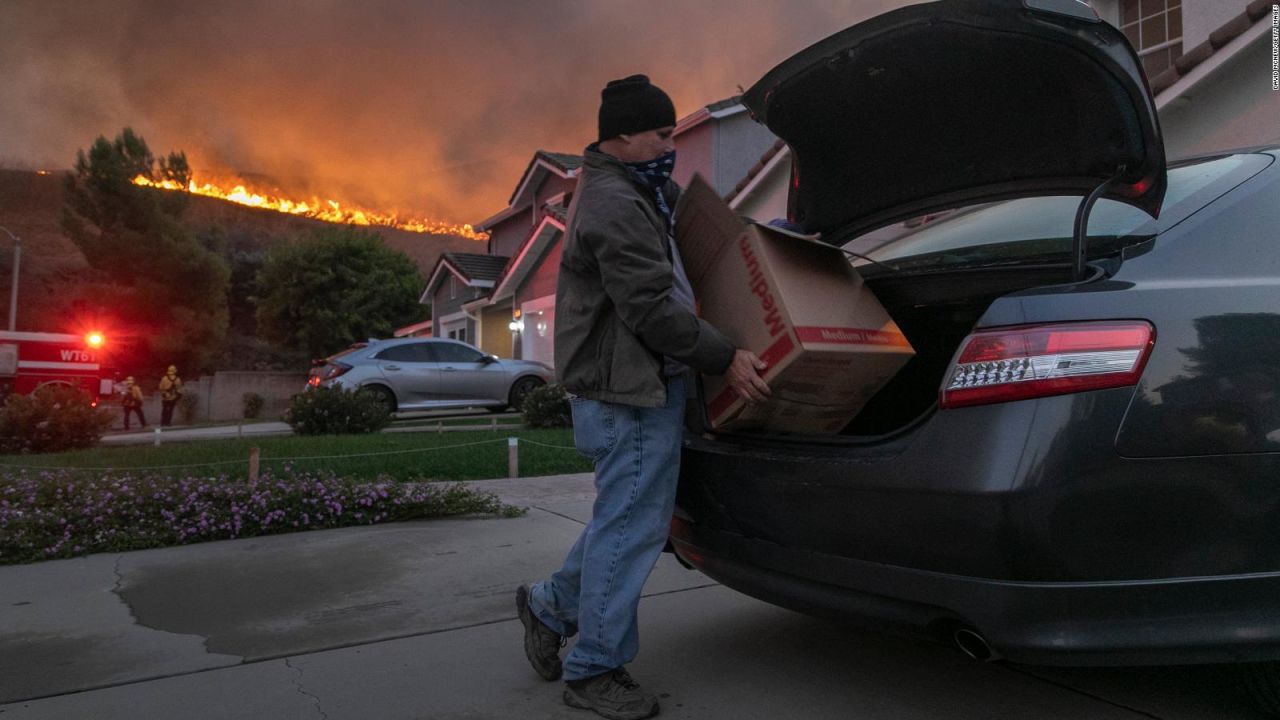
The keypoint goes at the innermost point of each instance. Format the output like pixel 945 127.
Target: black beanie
pixel 633 105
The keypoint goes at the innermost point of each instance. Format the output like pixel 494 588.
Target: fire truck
pixel 29 360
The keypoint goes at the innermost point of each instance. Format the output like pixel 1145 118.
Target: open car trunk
pixel 936 312
pixel 953 104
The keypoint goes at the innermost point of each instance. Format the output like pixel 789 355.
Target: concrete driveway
pixel 416 620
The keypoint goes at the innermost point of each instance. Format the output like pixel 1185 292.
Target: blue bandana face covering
pixel 654 174
pixel 657 171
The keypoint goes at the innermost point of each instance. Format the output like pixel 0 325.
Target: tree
pixel 334 287
pixel 244 253
pixel 152 280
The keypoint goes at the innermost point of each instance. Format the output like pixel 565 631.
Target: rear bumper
pixel 1229 618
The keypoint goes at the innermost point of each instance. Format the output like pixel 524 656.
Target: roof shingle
pixel 757 168
pixel 564 160
pixel 478 267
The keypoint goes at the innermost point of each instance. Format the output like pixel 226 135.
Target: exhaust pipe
pixel 974 645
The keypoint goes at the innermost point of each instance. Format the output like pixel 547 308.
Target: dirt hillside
pixel 31 204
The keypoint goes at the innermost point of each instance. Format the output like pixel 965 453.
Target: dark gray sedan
pixel 1081 465
pixel 431 373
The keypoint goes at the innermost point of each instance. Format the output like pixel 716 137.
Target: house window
pixel 1154 27
pixel 454 327
pixel 453 286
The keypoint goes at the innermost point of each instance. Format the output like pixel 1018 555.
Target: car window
pixel 410 352
pixel 1028 226
pixel 452 352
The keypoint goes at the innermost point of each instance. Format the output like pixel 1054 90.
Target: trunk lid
pixel 961 101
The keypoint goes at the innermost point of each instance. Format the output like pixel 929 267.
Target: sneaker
pixel 613 695
pixel 541 643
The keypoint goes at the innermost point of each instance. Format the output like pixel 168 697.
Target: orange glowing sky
pixel 424 107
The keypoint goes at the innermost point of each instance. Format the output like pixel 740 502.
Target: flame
pixel 318 208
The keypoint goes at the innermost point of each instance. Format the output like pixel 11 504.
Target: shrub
pixel 253 403
pixel 547 406
pixel 60 514
pixel 336 411
pixel 53 418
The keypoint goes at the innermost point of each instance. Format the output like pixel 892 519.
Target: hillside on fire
pixel 52 267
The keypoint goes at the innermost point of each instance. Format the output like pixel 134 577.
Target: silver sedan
pixel 430 373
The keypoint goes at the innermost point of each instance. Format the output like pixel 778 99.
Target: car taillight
pixel 331 371
pixel 1018 363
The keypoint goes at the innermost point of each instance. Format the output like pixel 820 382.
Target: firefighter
pixel 170 393
pixel 132 402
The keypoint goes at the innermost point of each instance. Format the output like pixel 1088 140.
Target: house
pixel 517 317
pixel 458 280
pixel 519 314
pixel 1217 91
pixel 720 142
pixel 1208 63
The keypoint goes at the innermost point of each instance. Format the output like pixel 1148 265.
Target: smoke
pixel 426 106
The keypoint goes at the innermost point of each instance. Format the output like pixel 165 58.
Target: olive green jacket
pixel 615 315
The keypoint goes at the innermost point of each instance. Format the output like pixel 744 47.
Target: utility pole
pixel 13 290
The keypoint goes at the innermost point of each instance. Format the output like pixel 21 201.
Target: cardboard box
pixel 795 302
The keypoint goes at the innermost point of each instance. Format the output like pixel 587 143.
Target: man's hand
pixel 744 376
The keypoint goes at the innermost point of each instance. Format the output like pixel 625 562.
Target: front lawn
pixel 399 456
pixel 110 499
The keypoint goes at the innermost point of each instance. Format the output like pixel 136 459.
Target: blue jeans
pixel 596 593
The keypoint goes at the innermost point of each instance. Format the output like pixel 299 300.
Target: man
pixel 132 402
pixel 626 336
pixel 170 392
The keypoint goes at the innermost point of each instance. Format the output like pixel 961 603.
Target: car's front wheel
pixel 521 389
